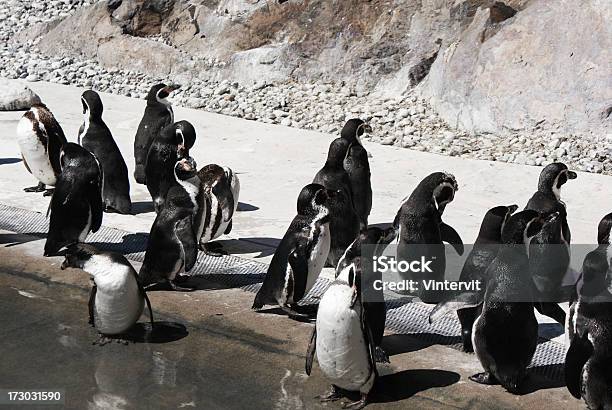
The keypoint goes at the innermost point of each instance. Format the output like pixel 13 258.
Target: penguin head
pixel 338 150
pixel 77 255
pixel 92 104
pixel 74 155
pixel 521 227
pixel 312 199
pixel 438 188
pixel 595 273
pixel 552 178
pixel 185 137
pixel 185 168
pixel 603 230
pixel 494 221
pixel 353 129
pixel 159 93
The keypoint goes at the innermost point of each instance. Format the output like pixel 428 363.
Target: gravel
pixel 406 122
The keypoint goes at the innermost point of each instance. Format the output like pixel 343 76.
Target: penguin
pixel 172 143
pixel 95 137
pixel 588 361
pixel 550 264
pixel 301 254
pixel 467 305
pixel 157 115
pixel 172 246
pixel 217 204
pixel 40 139
pixel 505 334
pixel 370 242
pixel 76 206
pixel 117 298
pixel 421 231
pixel 342 339
pixel 333 175
pixel 357 166
pixel 344 226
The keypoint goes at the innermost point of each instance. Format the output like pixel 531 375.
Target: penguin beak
pixel 571 175
pixel 172 87
pixel 512 209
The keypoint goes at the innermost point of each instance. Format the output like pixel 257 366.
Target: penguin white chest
pixel 34 152
pixel 318 256
pixel 342 352
pixel 118 303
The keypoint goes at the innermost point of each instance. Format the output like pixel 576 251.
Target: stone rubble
pixel 408 122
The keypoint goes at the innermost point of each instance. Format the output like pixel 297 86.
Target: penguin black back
pixel 358 169
pixel 333 175
pixel 95 136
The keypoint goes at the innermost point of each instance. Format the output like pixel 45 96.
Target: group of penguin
pixel 330 229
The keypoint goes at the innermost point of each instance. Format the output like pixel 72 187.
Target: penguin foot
pixel 467 348
pixel 49 192
pixel 178 288
pixel 484 378
pixel 38 188
pixel 380 356
pixel 332 395
pixel 295 315
pixel 356 405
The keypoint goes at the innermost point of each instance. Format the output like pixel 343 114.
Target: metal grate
pixel 403 316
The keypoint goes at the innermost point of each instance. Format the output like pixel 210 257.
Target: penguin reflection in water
pixel 41 139
pixel 172 247
pixel 588 362
pixel 505 334
pixel 343 339
pixel 76 207
pixel 117 298
pixel 301 254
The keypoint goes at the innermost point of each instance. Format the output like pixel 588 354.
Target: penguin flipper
pixel 299 269
pixel 369 341
pixel 225 198
pixel 55 143
pixel 183 230
pixel 462 301
pixel 92 304
pixel 94 197
pixel 143 293
pixel 312 347
pixel 449 235
pixel 578 354
pixel 229 227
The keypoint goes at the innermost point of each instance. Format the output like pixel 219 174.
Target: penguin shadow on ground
pixel 13 239
pixel 244 207
pixel 130 243
pixel 7 161
pixel 406 383
pixel 537 378
pixel 162 332
pixel 549 331
pixel 396 344
pixel 219 281
pixel 309 310
pixel 142 207
pixel 265 246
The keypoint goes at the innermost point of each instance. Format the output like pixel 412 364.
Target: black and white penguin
pixel 370 242
pixel 588 361
pixel 301 254
pixel 95 137
pixel 172 246
pixel 41 139
pixel 117 298
pixel 76 206
pixel 217 204
pixel 505 334
pixel 549 264
pixel 333 175
pixel 157 115
pixel 420 230
pixel 357 167
pixel 342 339
pixel 467 304
pixel 172 143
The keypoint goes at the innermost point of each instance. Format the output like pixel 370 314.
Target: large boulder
pixel 15 96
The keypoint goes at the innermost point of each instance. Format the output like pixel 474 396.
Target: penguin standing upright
pixel 76 206
pixel 116 299
pixel 172 246
pixel 421 230
pixel 505 334
pixel 342 339
pixel 301 254
pixel 157 115
pixel 95 137
pixel 217 204
pixel 41 139
pixel 549 264
pixel 483 252
pixel 588 361
pixel 357 167
pixel 172 143
pixel 370 242
pixel 344 221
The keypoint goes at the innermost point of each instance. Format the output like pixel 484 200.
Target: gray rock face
pixel 15 96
